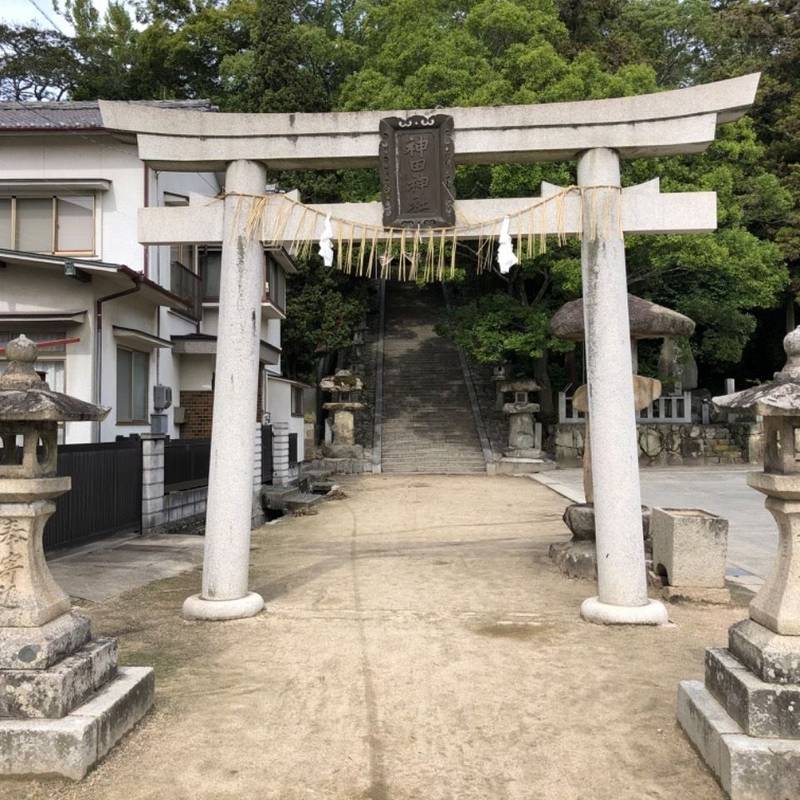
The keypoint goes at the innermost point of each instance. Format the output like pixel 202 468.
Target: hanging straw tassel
pixel 453 255
pixel 372 255
pixel 362 251
pixel 412 276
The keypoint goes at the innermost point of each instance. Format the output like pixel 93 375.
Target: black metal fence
pixel 186 464
pixel 292 449
pixel 266 454
pixel 106 494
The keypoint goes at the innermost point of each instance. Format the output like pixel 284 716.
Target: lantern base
pixel 72 745
pixel 745 719
pixel 747 767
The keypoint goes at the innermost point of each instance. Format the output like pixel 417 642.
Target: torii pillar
pixel 621 578
pixel 229 510
pixel 597 133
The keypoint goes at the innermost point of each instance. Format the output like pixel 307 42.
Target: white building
pixel 135 318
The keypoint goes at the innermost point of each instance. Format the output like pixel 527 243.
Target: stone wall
pixel 163 511
pixel 494 420
pixel 673 445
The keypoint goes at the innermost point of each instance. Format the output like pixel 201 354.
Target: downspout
pixel 98 343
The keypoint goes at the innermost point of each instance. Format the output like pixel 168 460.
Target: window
pixel 133 374
pixel 276 284
pixel 56 224
pixel 297 401
pixel 210 262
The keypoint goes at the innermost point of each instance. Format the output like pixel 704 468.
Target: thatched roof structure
pixel 648 321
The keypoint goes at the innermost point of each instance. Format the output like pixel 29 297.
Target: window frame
pixel 146 354
pixel 53 250
pixel 296 391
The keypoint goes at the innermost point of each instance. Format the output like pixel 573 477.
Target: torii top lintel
pixel 665 123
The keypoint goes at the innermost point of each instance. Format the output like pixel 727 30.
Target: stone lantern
pixel 647 321
pixel 524 451
pixel 345 388
pixel 745 718
pixel 63 701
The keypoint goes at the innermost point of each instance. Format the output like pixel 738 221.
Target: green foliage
pixel 288 55
pixel 323 308
pixel 496 328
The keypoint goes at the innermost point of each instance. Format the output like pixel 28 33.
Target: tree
pixel 36 64
pixel 322 311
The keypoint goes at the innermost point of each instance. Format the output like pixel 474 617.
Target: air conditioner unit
pixel 162 397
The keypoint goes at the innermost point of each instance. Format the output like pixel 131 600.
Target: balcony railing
pixel 187 285
pixel 672 409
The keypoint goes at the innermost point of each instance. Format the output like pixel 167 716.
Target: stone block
pixel 579 518
pixel 70 746
pixel 690 546
pixel 153 505
pixel 761 709
pixel 152 491
pixel 53 692
pixel 747 767
pixel 771 657
pixel 41 647
pixel 697 594
pixel 578 559
pixel 120 705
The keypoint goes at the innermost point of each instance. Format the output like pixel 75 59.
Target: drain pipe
pixel 98 343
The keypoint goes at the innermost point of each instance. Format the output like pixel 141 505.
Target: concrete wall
pixel 279 405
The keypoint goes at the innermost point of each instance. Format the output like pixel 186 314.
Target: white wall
pixel 32 289
pixel 279 404
pixel 60 156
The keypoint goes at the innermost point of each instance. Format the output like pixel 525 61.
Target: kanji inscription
pixel 417 171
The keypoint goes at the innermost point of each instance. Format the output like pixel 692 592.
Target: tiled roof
pixel 73 114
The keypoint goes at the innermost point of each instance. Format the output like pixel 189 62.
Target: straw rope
pixel 415 254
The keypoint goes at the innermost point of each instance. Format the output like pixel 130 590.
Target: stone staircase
pixel 428 424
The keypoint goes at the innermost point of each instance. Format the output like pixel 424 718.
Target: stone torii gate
pixel 596 133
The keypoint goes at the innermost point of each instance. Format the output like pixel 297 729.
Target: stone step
pixel 428 425
pixel 762 709
pixel 747 767
pixel 300 500
pixel 52 693
pixel 768 655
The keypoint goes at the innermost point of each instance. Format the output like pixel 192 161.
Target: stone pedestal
pixel 343 444
pixel 744 719
pixel 578 557
pixel 524 452
pixel 345 389
pixel 63 701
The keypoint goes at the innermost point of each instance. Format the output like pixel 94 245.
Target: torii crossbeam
pixel 596 133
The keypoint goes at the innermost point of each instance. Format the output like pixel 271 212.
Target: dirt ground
pixel 418 644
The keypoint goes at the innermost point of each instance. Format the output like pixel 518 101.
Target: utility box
pixel 158 423
pixel 162 397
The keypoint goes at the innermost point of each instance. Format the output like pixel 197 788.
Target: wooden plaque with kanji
pixel 417 171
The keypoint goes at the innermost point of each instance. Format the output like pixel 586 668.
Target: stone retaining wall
pixel 673 445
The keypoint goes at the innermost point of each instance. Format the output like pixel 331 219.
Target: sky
pixel 25 11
